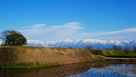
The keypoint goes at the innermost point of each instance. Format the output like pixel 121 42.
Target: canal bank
pixel 33 57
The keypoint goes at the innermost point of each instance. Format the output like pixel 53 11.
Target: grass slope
pixel 32 57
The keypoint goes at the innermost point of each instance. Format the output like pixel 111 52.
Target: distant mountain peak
pixel 81 43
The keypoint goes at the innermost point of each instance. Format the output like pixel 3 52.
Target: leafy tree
pixel 7 32
pixel 13 38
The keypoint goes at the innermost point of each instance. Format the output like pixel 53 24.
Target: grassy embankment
pixel 32 57
pixel 115 55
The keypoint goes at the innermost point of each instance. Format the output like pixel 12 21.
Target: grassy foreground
pixel 113 53
pixel 33 57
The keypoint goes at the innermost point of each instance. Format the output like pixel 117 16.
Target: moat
pixel 89 69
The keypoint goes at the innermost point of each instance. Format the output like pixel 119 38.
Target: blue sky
pixel 51 20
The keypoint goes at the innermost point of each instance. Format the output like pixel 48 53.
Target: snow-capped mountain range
pixel 81 43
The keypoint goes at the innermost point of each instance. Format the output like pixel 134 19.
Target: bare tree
pixel 97 48
pixel 126 49
pixel 117 47
pixel 89 47
pixel 108 48
pixel 134 48
pixel 70 47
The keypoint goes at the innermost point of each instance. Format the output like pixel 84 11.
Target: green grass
pixel 131 53
pixel 97 52
pixel 120 53
pixel 108 53
pixel 52 48
pixel 113 53
pixel 123 53
pixel 28 65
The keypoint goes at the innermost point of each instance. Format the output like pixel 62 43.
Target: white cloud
pixel 34 29
pixel 72 31
pixel 122 31
pixel 127 34
pixel 43 32
pixel 37 26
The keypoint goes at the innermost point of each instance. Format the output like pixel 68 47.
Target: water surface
pixel 118 70
pixel 90 69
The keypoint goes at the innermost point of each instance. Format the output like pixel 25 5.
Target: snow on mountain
pixel 36 43
pixel 81 43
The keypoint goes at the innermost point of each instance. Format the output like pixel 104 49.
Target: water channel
pixel 89 69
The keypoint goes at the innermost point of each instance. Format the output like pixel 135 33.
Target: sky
pixel 51 20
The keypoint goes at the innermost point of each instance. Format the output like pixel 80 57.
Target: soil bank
pixel 42 56
pixel 33 57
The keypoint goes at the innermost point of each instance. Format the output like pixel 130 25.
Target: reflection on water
pixel 60 71
pixel 119 70
pixel 91 69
